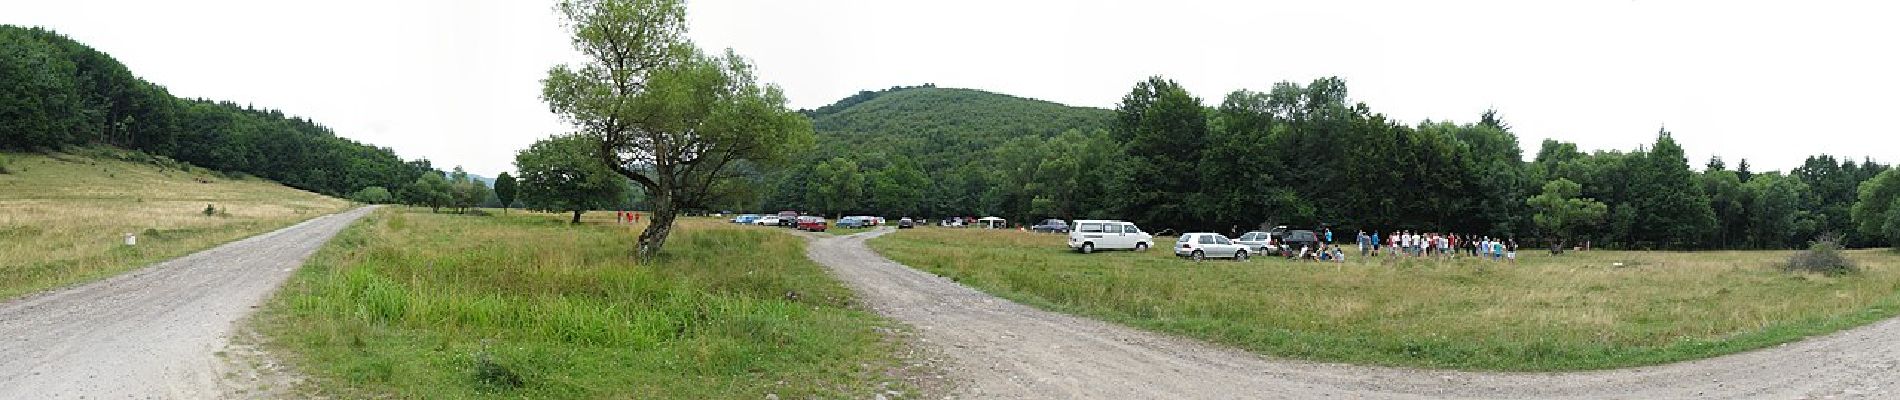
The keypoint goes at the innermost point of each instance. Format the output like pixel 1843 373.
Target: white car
pixel 1202 245
pixel 1087 236
pixel 1258 242
pixel 769 220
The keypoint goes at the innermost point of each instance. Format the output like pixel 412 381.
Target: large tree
pixel 1165 129
pixel 505 190
pixel 1561 215
pixel 664 114
pixel 1879 197
pixel 561 174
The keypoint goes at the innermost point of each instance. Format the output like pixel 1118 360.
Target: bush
pixel 210 210
pixel 1823 257
pixel 373 195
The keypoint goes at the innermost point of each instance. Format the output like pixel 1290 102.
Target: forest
pixel 56 92
pixel 1305 156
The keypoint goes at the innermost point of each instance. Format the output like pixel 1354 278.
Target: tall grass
pixel 419 305
pixel 63 216
pixel 1572 312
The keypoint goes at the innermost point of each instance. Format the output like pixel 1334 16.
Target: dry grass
pixel 62 216
pixel 1576 311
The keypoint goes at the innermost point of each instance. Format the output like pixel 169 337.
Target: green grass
pixel 523 305
pixel 62 216
pixel 1572 312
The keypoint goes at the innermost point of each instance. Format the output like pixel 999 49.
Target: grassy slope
pixel 406 304
pixel 62 215
pixel 1547 313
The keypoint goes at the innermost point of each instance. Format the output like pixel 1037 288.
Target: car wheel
pixel 1240 255
pixel 1088 248
pixel 1198 256
pixel 1141 247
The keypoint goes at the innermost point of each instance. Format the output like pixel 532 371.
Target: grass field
pixel 1571 312
pixel 408 304
pixel 62 216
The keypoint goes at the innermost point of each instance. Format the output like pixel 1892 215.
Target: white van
pixel 1087 236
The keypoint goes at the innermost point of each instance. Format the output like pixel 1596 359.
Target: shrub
pixel 373 195
pixel 210 210
pixel 1824 257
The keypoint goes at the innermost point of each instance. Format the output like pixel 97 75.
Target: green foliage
pixel 1164 131
pixel 4 166
pixel 505 190
pixel 1776 215
pixel 1559 212
pixel 373 195
pixel 677 121
pixel 210 210
pixel 840 184
pixel 465 192
pixel 431 190
pixel 564 174
pixel 56 92
pixel 1874 204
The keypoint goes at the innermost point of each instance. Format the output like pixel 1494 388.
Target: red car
pixel 812 224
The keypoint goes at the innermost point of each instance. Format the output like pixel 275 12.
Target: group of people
pixel 1432 244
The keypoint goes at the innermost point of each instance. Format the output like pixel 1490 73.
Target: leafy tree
pixel 1165 131
pixel 1876 200
pixel 563 174
pixel 1777 217
pixel 899 188
pixel 505 190
pixel 431 190
pixel 1665 213
pixel 373 195
pixel 840 185
pixel 1728 199
pixel 466 192
pixel 1561 214
pixel 664 114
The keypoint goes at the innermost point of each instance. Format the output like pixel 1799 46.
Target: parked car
pixel 1051 226
pixel 992 223
pixel 1092 235
pixel 1202 245
pixel 857 222
pixel 1292 241
pixel 906 223
pixel 745 218
pixel 812 224
pixel 769 220
pixel 1258 242
pixel 788 218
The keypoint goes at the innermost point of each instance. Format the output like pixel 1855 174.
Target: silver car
pixel 1201 245
pixel 1258 242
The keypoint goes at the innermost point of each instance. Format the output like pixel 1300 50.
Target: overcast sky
pixel 457 81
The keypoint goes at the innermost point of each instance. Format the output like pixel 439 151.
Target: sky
pixel 458 81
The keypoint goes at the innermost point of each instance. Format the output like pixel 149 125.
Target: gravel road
pixel 153 332
pixel 1000 349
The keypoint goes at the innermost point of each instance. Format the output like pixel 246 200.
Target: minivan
pixel 1087 236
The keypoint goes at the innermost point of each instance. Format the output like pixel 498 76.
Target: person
pixel 1361 241
pixel 1329 235
pixel 1510 252
pixel 1339 255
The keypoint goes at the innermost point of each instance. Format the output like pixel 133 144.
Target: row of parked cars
pixel 814 223
pixel 1088 236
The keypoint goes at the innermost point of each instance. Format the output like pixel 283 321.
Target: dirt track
pixel 1000 349
pixel 154 332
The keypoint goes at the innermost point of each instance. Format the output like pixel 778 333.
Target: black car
pixel 1051 226
pixel 1292 241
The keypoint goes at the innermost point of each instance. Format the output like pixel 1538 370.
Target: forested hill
pixel 924 150
pixel 57 92
pixel 927 120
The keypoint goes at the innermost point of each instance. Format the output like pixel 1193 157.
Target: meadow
pixel 1577 311
pixel 63 215
pixel 409 304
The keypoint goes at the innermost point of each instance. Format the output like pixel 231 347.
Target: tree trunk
pixel 577 217
pixel 658 226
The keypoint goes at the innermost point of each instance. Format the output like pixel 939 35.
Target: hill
pixel 62 214
pixel 940 141
pixel 927 121
pixel 56 92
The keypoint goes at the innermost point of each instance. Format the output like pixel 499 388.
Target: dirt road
pixel 1000 349
pixel 154 332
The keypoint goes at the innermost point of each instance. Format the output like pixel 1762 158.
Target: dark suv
pixel 1051 226
pixel 1292 241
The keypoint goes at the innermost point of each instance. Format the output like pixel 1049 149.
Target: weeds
pixel 1822 257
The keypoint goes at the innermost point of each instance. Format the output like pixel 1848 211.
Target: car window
pixel 1204 239
pixel 1090 228
pixel 1130 228
pixel 1222 240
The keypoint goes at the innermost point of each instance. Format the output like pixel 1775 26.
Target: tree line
pixel 1308 156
